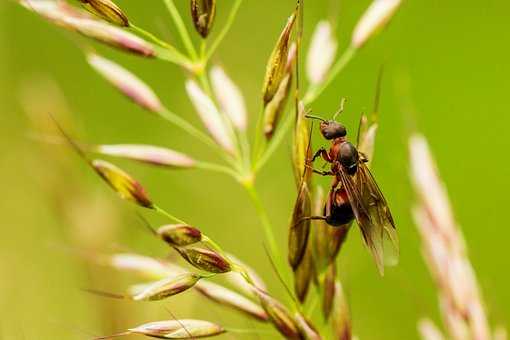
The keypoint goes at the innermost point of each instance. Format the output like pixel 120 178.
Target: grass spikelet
pixel 203 13
pixel 206 260
pixel 75 20
pixel 279 316
pixel 341 316
pixel 179 235
pixel 231 299
pixel 148 267
pixel 299 227
pixel 126 82
pixel 210 116
pixel 276 66
pixel 166 287
pixel 275 107
pixel 307 328
pixel 229 97
pixel 375 18
pixel 107 10
pixel 444 249
pixel 149 154
pixel 122 183
pixel 174 329
pixel 321 53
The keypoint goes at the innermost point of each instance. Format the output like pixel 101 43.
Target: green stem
pixel 171 49
pixel 181 28
pixel 266 224
pixel 224 31
pixel 218 168
pixel 193 131
pixel 167 214
pixel 314 92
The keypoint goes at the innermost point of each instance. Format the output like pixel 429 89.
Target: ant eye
pixel 332 130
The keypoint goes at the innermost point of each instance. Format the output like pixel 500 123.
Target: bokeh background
pixel 446 74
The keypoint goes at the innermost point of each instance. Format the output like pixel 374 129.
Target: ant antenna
pixel 341 109
pixel 315 117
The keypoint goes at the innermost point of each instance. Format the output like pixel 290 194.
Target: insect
pixel 354 193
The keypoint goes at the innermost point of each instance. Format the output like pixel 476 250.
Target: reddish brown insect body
pixel 354 194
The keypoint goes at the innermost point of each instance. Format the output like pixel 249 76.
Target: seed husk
pixel 210 116
pixel 205 259
pixel 275 108
pixel 302 148
pixel 179 235
pixel 341 316
pixel 304 274
pixel 149 154
pixel 306 327
pixel 279 316
pixel 231 299
pixel 179 329
pixel 229 98
pixel 107 10
pixel 276 65
pixel 203 13
pixel 122 183
pixel 299 230
pixel 329 290
pixel 148 267
pixel 321 53
pixel 375 18
pixel 126 82
pixel 167 287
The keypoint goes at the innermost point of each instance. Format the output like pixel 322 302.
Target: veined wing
pixel 373 215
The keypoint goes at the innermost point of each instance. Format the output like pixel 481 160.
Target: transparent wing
pixel 373 216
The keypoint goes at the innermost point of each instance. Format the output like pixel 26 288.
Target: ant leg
pixel 322 153
pixel 320 172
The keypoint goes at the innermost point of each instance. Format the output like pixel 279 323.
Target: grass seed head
pixel 276 66
pixel 107 10
pixel 328 288
pixel 148 267
pixel 375 18
pixel 299 230
pixel 205 259
pixel 275 107
pixel 229 97
pixel 127 188
pixel 302 150
pixel 179 329
pixel 210 116
pixel 127 83
pixel 203 13
pixel 79 21
pixel 429 331
pixel 304 274
pixel 321 53
pixel 166 287
pixel 341 316
pixel 179 235
pixel 150 154
pixel 307 328
pixel 279 316
pixel 231 299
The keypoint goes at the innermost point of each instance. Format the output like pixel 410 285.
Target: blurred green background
pixel 446 73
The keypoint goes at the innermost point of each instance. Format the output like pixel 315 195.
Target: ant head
pixel 331 129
